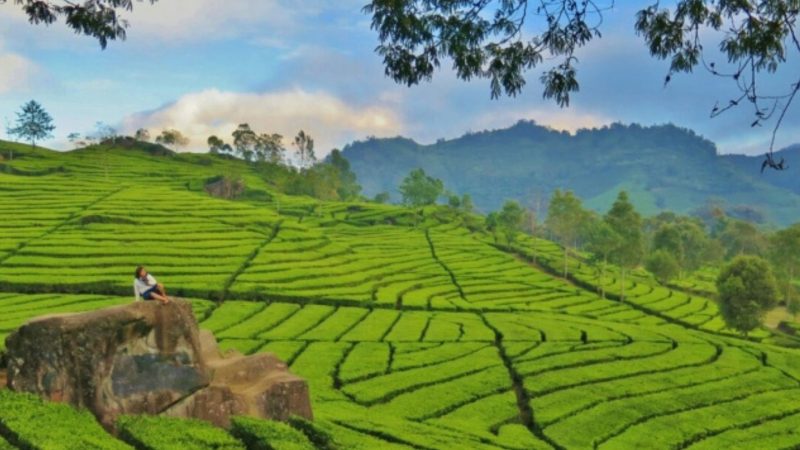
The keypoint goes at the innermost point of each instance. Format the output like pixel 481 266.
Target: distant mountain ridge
pixel 663 167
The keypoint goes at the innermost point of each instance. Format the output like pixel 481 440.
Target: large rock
pixel 147 358
pixel 258 385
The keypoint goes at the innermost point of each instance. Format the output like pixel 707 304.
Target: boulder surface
pixel 147 358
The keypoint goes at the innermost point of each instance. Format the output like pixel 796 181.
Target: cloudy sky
pixel 203 66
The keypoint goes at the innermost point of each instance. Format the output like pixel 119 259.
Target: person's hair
pixel 138 271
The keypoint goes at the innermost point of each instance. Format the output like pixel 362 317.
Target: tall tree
pixel 602 241
pixel 420 189
pixel 747 290
pixel 305 149
pixel 142 135
pixel 565 215
pixel 785 256
pixel 217 146
pixel 349 189
pixel 172 138
pixel 685 240
pixel 33 123
pixel 627 224
pixel 244 141
pixel 741 238
pixel 510 220
pixel 269 147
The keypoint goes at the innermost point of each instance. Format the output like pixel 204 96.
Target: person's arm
pixel 151 280
pixel 136 296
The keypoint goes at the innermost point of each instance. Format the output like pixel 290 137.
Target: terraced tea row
pixel 641 291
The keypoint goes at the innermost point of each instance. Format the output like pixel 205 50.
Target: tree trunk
pixel 565 261
pixel 622 294
pixel 603 279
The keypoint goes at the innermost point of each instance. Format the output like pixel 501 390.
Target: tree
pixel 685 240
pixel 217 146
pixel 142 135
pixel 96 18
pixel 785 256
pixel 172 138
pixel 382 197
pixel 501 41
pixel 33 123
pixel 565 215
pixel 793 306
pixel 510 220
pixel 747 291
pixel 602 240
pixel 269 147
pixel 663 265
pixel 627 224
pixel 75 139
pixel 492 221
pixel 741 238
pixel 349 189
pixel 419 189
pixel 466 203
pixel 305 149
pixel 453 201
pixel 244 141
pixel 103 133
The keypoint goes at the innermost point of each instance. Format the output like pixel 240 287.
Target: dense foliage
pixel 26 421
pixel 164 433
pixel 268 435
pixel 747 291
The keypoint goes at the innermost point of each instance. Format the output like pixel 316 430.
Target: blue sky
pixel 203 66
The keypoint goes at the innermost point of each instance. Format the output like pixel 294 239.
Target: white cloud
pixel 331 121
pixel 16 72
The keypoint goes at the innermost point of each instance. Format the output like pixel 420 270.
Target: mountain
pixel 662 167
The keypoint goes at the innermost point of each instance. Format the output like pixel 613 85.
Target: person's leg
pixel 160 289
pixel 160 298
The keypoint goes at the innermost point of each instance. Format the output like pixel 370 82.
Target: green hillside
pixel 413 330
pixel 662 168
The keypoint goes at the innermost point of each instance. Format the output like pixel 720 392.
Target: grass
pixel 413 332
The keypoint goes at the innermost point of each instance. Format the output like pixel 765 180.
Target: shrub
pixel 166 433
pixel 260 434
pixel 28 422
pixel 319 437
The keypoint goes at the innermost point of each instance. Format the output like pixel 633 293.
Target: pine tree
pixel 33 123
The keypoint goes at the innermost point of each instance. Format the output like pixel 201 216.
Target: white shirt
pixel 139 286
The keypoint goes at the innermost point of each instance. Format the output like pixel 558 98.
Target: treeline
pixel 758 268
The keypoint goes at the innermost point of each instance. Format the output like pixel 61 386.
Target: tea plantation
pixel 412 330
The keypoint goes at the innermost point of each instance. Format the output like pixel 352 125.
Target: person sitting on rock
pixel 145 287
